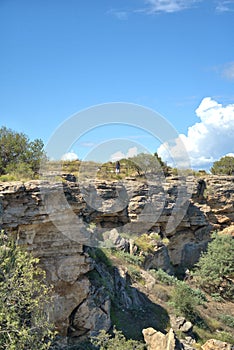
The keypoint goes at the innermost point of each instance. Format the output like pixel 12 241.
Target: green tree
pixel 224 166
pixel 214 272
pixel 24 300
pixel 15 149
pixel 145 163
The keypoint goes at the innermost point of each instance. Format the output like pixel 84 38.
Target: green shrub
pixel 20 171
pixel 129 258
pixel 24 300
pixel 183 300
pixel 163 277
pixel 7 177
pixel 145 243
pixel 104 341
pixel 215 270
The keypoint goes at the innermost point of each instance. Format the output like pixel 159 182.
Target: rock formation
pixel 54 221
pixel 159 341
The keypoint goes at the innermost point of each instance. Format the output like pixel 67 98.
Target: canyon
pixel 58 221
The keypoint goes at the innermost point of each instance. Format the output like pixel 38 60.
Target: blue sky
pixel 59 57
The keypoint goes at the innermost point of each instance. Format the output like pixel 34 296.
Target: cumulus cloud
pixel 69 156
pixel 132 151
pixel 169 6
pixel 208 140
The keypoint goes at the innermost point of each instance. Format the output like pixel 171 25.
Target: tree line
pixel 19 155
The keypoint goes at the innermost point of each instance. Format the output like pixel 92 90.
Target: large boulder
pixel 159 341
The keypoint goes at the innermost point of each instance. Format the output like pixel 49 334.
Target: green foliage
pixel 24 297
pixel 146 243
pixel 163 277
pixel 227 319
pixel 147 163
pixel 215 270
pixel 224 166
pixel 128 258
pixel 104 341
pixel 185 299
pixel 20 171
pixel 18 154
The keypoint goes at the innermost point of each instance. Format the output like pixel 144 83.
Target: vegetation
pixel 105 341
pixel 185 300
pixel 19 156
pixel 24 298
pixel 144 163
pixel 214 272
pixel 224 166
pixel 146 242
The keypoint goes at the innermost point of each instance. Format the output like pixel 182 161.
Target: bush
pixel 104 341
pixel 20 171
pixel 215 270
pixel 163 277
pixel 24 299
pixel 224 166
pixel 185 300
pixel 128 258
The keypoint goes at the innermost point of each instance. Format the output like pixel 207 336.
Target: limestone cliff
pixel 55 221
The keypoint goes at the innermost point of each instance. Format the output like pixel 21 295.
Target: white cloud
pixel 228 71
pixel 69 156
pixel 225 6
pixel 121 15
pixel 132 151
pixel 169 6
pixel 208 140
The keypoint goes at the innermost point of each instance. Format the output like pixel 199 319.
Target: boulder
pixel 112 238
pixel 159 341
pixel 180 324
pixel 158 260
pixel 213 344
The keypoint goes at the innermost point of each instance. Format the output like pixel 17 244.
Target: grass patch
pixel 227 320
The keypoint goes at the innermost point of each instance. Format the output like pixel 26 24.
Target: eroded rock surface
pixel 54 221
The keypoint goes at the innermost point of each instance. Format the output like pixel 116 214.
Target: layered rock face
pixel 56 220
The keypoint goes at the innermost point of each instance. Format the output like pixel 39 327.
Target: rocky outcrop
pixel 57 220
pixel 159 341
